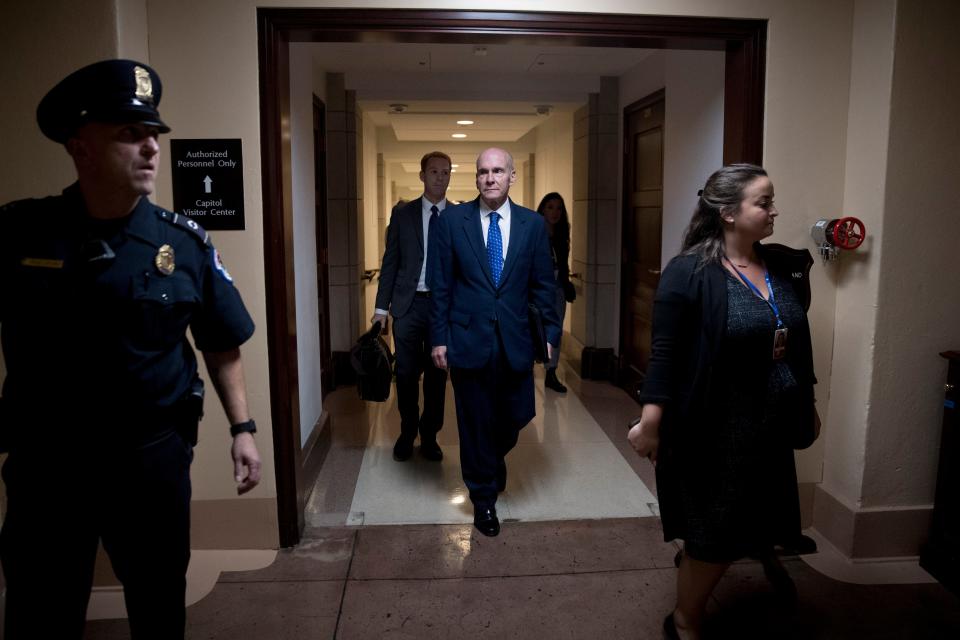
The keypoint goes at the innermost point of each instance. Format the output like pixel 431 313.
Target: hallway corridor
pixel 564 466
pixel 574 560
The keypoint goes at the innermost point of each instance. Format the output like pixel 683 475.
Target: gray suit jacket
pixel 402 259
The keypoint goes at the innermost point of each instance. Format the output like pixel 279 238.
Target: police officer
pixel 101 401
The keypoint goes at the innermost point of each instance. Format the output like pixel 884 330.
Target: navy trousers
pixel 493 404
pixel 62 501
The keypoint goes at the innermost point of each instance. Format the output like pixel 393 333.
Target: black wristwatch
pixel 243 427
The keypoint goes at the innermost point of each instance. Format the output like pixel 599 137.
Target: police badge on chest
pixel 165 261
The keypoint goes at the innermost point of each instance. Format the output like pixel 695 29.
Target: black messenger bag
pixel 373 362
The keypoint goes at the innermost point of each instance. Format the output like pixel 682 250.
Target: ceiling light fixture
pixel 458 135
pixel 454 166
pixel 398 108
pixel 464 121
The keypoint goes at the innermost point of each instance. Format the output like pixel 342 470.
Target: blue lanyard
pixel 771 302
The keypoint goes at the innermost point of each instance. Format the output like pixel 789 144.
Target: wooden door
pixel 641 234
pixel 323 269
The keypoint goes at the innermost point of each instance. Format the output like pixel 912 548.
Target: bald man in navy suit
pixel 489 259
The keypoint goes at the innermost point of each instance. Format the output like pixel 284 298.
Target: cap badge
pixel 144 83
pixel 165 260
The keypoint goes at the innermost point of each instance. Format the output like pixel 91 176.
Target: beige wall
pixel 216 75
pixel 35 37
pixel 303 85
pixel 553 169
pixel 371 219
pixel 132 29
pixel 918 305
pixel 693 128
pixel 855 277
pixel 828 114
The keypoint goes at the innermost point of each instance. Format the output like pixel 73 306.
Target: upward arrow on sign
pixel 207 182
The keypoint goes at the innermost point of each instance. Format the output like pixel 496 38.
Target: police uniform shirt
pixel 94 314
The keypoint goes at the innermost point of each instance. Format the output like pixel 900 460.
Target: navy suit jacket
pixel 466 309
pixel 403 257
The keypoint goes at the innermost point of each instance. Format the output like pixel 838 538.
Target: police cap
pixel 115 91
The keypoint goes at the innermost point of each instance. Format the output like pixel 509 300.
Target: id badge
pixel 780 343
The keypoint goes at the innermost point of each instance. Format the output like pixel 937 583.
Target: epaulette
pixel 183 221
pixel 17 205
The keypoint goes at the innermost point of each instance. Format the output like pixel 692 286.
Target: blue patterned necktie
pixel 495 248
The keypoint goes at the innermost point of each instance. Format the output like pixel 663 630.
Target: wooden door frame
pixel 744 42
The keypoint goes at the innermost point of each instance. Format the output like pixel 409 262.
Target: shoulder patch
pixel 218 265
pixel 186 223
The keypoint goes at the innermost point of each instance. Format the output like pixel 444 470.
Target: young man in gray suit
pixel 404 291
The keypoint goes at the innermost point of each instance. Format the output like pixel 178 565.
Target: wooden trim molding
pixel 743 99
pixel 314 453
pixel 278 268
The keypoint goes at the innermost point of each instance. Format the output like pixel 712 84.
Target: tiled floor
pixel 555 573
pixel 610 579
pixel 563 467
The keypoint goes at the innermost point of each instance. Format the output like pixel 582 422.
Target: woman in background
pixel 554 213
pixel 728 388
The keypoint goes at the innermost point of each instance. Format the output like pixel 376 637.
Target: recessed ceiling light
pixel 454 166
pixel 464 121
pixel 458 135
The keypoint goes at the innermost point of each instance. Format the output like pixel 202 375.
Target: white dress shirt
pixel 425 214
pixel 504 224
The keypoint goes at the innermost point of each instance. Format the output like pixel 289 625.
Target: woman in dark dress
pixel 554 213
pixel 720 401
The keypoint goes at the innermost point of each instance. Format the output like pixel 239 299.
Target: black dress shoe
pixel 403 449
pixel 670 628
pixel 486 521
pixel 430 450
pixel 551 382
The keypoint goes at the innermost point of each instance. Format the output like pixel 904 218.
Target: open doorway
pixel 744 44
